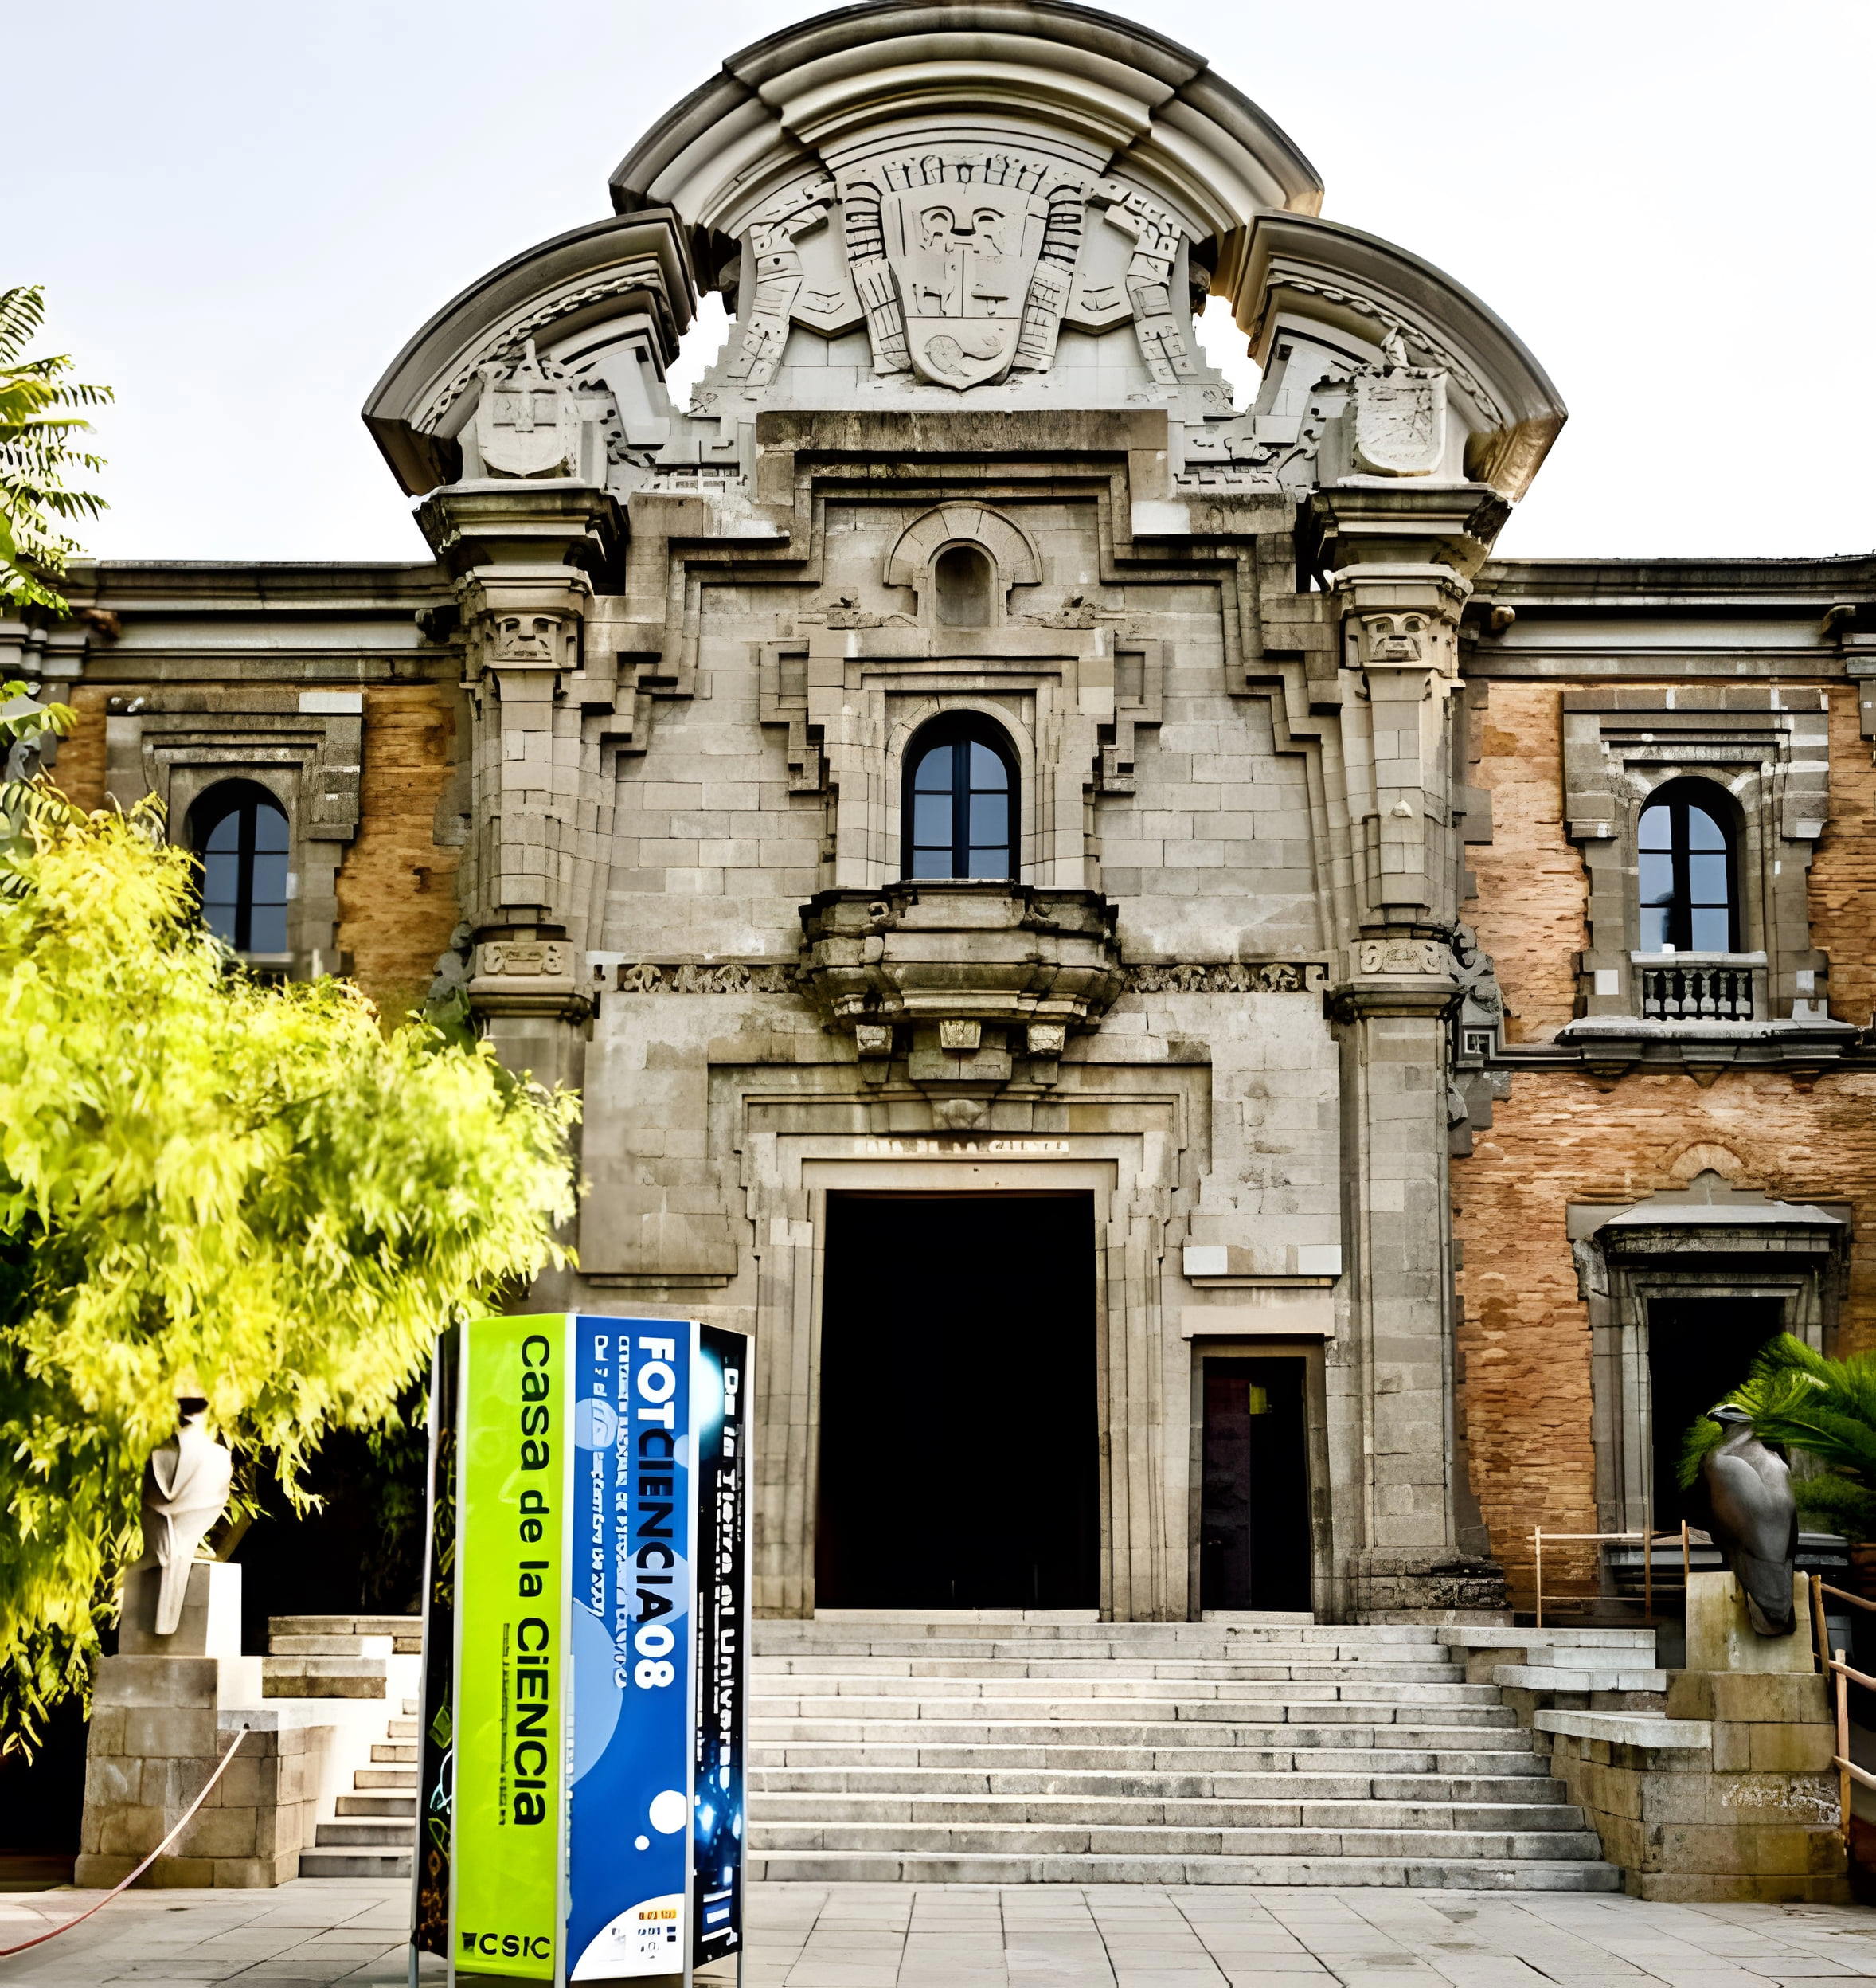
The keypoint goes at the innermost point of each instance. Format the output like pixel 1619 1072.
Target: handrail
pixel 1651 1539
pixel 1834 1666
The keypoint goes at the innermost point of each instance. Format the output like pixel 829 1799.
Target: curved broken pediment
pixel 1437 383
pixel 605 304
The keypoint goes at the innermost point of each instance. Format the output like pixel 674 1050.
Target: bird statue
pixel 1753 1518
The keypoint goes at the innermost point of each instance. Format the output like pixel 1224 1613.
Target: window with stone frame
pixel 242 839
pixel 1697 808
pixel 959 812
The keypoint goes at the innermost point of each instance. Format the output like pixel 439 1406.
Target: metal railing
pixel 1681 992
pixel 1650 1539
pixel 1833 1666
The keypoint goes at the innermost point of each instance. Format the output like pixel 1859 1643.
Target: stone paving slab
pixel 315 1933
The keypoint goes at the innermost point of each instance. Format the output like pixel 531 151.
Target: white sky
pixel 240 212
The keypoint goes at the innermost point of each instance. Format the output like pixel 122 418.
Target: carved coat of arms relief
pixel 1400 421
pixel 963 262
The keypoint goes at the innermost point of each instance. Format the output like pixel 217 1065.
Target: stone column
pixel 1399 559
pixel 525 556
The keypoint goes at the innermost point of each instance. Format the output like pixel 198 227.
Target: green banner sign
pixel 511 1648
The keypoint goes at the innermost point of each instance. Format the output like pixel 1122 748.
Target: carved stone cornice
pixel 507 521
pixel 1412 977
pixel 1450 525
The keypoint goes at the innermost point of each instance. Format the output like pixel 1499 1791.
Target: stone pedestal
pixel 1732 1794
pixel 1721 1637
pixel 164 1710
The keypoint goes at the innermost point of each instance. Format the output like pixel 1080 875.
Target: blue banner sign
pixel 622 1543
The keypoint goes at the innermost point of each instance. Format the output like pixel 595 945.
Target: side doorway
pixel 1254 1483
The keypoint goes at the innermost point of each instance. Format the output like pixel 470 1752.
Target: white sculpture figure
pixel 186 1486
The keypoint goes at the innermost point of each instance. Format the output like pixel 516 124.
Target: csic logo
pixel 509 1945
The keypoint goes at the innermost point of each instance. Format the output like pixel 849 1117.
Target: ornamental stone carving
pixel 1400 416
pixel 963 260
pixel 1401 956
pixel 527 422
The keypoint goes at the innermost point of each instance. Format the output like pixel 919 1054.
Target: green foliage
pixel 209 1185
pixel 37 424
pixel 1824 1408
pixel 29 733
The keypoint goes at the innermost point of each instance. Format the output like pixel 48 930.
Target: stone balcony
pixel 966 977
pixel 996 953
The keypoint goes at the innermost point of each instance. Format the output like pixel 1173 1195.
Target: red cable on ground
pixel 187 1815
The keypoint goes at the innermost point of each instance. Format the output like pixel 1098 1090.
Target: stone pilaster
pixel 527 557
pixel 1399 561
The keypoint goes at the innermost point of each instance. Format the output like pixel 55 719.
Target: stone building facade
pixel 965 771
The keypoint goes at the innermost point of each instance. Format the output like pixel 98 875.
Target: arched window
pixel 1688 871
pixel 965 580
pixel 961 801
pixel 239 832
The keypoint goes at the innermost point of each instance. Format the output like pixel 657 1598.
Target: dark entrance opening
pixel 1699 1349
pixel 1254 1491
pixel 960 1462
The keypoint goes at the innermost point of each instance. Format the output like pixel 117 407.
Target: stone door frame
pixel 1661 1249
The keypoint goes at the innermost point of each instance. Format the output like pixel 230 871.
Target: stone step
pixel 1483 1874
pixel 1579 1678
pixel 820 1663
pixel 1518 1758
pixel 1294 1786
pixel 1069 1702
pixel 402 1728
pixel 1110 1731
pixel 388 1749
pixel 399 1626
pixel 400 1806
pixel 323 1677
pixel 771 1694
pixel 773 1634
pixel 377 1864
pixel 278 1645
pixel 1084 1839
pixel 367 1778
pixel 923 1809
pixel 350 1835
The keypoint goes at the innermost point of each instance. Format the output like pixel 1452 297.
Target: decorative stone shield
pixel 1400 421
pixel 527 423
pixel 963 256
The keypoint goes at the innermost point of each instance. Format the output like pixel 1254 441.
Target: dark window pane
pixel 988 773
pixel 220 879
pixel 931 820
pixel 1712 931
pixel 931 863
pixel 990 820
pixel 1703 831
pixel 270 830
pixel 1706 879
pixel 989 862
pixel 267 929
pixel 1656 876
pixel 1656 830
pixel 933 775
pixel 270 879
pixel 226 834
pixel 1654 927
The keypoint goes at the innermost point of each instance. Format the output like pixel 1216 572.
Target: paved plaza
pixel 315 1932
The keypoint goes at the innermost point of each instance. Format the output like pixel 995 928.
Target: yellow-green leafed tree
pixel 206 1183
pixel 39 419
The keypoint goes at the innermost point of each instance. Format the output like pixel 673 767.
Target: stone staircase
pixel 981 1751
pixel 372 1832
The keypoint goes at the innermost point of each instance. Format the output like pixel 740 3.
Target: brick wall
pixel 1524 1340
pixel 396 889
